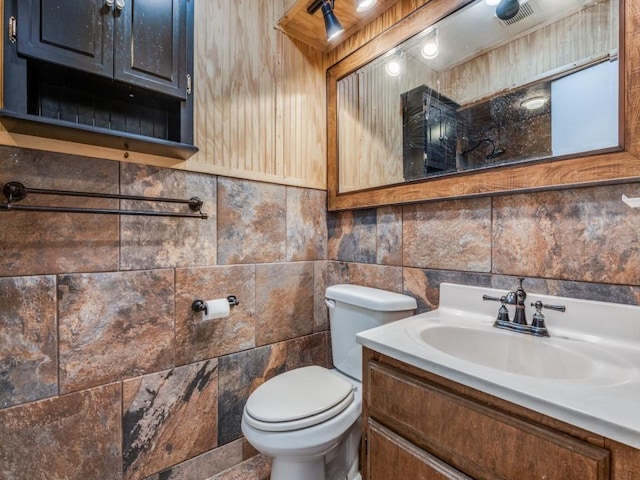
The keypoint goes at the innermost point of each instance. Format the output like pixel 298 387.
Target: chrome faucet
pixel 519 323
pixel 520 296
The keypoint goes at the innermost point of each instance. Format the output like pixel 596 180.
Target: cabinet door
pixel 151 45
pixel 440 134
pixel 390 457
pixel 413 134
pixel 72 33
pixel 483 443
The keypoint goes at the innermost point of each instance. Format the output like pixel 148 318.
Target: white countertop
pixel 603 399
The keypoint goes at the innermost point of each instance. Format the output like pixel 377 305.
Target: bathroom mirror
pixel 454 101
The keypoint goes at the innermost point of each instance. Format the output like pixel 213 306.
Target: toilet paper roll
pixel 218 308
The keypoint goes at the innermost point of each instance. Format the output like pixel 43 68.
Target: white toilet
pixel 308 419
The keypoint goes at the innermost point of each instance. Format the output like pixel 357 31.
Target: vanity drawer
pixel 475 439
pixel 396 458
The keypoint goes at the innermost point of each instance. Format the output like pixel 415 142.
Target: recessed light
pixel 393 68
pixel 364 5
pixel 430 51
pixel 430 48
pixel 534 103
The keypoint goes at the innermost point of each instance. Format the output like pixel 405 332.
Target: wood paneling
pixel 388 19
pixel 309 29
pixel 260 97
pixel 588 32
pixel 370 119
pixel 372 140
pixel 259 101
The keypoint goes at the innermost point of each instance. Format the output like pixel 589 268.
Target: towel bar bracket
pixel 14 191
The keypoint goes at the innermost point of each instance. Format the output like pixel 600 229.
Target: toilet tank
pixel 354 308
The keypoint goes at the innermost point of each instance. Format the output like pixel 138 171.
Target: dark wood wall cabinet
pixel 428 133
pixel 421 426
pixel 113 73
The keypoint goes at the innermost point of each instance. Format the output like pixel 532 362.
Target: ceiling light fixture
pixel 393 66
pixel 430 48
pixel 507 9
pixel 364 5
pixel 534 103
pixel 331 23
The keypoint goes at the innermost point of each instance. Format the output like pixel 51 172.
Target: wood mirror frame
pixel 622 165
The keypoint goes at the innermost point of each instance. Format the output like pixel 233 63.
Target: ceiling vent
pixel 524 12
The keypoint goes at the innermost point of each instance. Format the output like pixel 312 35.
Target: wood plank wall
pixel 370 119
pixel 260 97
pixel 259 101
pixel 587 34
pixel 390 17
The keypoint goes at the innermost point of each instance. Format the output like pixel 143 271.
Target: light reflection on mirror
pixel 486 93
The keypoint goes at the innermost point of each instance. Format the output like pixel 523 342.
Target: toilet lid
pixel 303 393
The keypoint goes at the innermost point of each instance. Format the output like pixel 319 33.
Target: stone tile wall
pixel 579 242
pixel 105 372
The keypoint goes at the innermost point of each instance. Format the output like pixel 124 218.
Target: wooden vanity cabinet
pixel 421 426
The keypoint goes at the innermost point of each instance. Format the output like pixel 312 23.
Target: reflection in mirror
pixel 474 91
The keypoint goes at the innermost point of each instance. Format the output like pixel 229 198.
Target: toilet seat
pixel 298 399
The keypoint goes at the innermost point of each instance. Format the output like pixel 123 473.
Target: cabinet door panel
pixel 151 45
pixel 72 33
pixel 390 457
pixel 478 440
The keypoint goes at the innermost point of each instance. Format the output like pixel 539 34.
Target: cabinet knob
pixel 109 3
pixel 119 4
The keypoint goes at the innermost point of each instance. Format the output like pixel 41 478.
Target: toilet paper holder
pixel 200 306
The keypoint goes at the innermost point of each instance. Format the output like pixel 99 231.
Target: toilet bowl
pixel 304 446
pixel 308 420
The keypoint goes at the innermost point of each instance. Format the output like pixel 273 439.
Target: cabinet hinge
pixel 188 84
pixel 13 29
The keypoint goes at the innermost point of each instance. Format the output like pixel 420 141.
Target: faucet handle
pixel 538 326
pixel 539 306
pixel 503 313
pixel 492 299
pixel 557 308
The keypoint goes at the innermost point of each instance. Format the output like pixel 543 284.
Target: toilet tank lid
pixel 371 298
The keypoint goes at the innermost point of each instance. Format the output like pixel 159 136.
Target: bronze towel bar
pixel 16 191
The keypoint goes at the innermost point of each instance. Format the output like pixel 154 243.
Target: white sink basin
pixel 586 374
pixel 510 352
